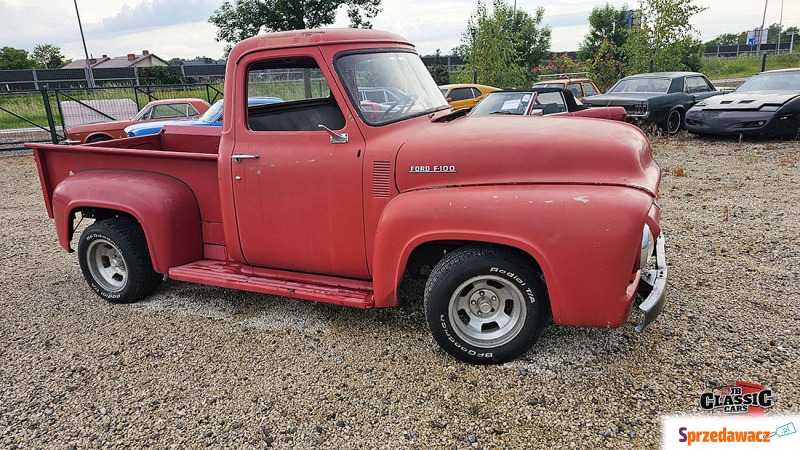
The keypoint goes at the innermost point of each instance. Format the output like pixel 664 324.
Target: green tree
pixel 605 22
pixel 729 39
pixel 15 58
pixel 241 19
pixel 160 75
pixel 438 70
pixel 48 56
pixel 175 61
pixel 503 46
pixel 664 38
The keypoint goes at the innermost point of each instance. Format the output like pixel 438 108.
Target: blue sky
pixel 171 28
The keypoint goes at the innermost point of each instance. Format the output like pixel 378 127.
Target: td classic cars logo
pixel 741 398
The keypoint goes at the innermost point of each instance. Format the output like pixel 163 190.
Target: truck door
pixel 297 186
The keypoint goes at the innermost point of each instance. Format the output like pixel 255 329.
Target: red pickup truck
pixel 329 198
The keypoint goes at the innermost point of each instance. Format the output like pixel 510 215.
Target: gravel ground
pixel 196 366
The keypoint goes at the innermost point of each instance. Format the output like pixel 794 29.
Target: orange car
pixel 465 95
pixel 580 87
pixel 155 110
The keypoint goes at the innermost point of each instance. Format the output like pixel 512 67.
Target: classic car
pixel 542 101
pixel 211 118
pixel 155 110
pixel 580 87
pixel 461 96
pixel 661 98
pixel 767 104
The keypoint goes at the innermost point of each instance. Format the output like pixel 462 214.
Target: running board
pixel 319 288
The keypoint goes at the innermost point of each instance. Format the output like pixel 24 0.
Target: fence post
pixel 35 79
pixel 136 74
pixel 50 122
pixel 764 62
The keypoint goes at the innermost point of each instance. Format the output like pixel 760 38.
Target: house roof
pixel 81 63
pixel 130 60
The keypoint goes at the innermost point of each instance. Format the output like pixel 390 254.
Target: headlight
pixel 130 134
pixel 647 247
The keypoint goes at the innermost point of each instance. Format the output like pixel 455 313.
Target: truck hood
pixel 748 101
pixel 491 150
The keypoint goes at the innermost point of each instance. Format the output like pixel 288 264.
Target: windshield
pixel 214 114
pixel 780 81
pixel 658 85
pixel 390 86
pixel 503 103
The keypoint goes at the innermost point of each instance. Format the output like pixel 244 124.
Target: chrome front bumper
pixel 653 287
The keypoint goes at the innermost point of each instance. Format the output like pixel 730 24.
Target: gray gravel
pixel 196 366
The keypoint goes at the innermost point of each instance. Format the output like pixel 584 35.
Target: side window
pixel 191 111
pixel 461 94
pixel 551 102
pixel 576 89
pixel 290 94
pixel 589 89
pixel 696 84
pixel 169 111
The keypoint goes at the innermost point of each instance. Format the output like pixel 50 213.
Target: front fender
pixel 165 207
pixel 586 239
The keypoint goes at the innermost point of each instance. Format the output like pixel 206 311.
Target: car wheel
pixel 485 305
pixel 672 124
pixel 115 260
pixel 99 138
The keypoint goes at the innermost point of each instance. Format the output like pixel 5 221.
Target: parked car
pixel 542 101
pixel 580 87
pixel 211 118
pixel 461 96
pixel 661 98
pixel 767 104
pixel 155 110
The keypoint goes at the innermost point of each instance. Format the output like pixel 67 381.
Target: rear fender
pixel 586 239
pixel 165 207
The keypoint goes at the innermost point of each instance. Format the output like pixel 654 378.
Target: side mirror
pixel 537 112
pixel 449 99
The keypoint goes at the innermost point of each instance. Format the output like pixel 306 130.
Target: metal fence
pixel 41 115
pixel 11 80
pixel 733 51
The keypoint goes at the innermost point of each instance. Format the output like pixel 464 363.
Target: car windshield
pixel 141 113
pixel 398 78
pixel 214 113
pixel 515 103
pixel 779 81
pixel 648 84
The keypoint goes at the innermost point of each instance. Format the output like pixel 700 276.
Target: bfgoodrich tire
pixel 115 260
pixel 485 305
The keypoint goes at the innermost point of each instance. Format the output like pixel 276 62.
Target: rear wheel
pixel 485 305
pixel 672 124
pixel 115 260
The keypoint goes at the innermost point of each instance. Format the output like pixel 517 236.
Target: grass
pixel 746 66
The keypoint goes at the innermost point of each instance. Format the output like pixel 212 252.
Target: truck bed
pixel 189 155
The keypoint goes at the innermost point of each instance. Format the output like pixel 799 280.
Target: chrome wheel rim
pixel 487 311
pixel 107 265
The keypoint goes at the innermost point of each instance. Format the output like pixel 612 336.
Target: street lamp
pixel 89 74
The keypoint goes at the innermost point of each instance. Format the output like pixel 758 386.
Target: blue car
pixel 211 118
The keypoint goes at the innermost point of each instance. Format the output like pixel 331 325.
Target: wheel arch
pixel 149 198
pixel 95 135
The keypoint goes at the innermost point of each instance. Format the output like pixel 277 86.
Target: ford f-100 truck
pixel 333 198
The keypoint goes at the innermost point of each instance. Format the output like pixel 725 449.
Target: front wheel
pixel 673 122
pixel 485 305
pixel 115 260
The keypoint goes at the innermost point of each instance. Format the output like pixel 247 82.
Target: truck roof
pixel 326 36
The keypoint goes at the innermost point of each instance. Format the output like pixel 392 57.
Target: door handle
pixel 239 158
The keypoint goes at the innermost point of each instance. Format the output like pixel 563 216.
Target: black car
pixel 767 104
pixel 661 98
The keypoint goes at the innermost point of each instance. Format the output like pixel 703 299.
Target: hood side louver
pixel 381 179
